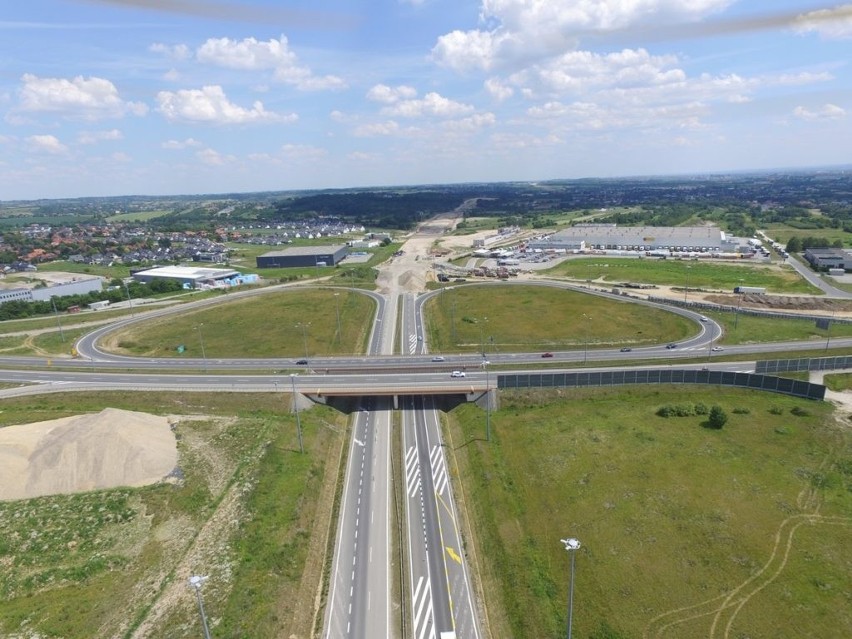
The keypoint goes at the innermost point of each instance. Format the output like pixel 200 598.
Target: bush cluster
pixel 682 410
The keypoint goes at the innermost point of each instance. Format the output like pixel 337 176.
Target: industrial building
pixel 294 256
pixel 636 238
pixel 79 285
pixel 195 277
pixel 829 258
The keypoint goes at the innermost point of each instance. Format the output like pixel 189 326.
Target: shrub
pixel 776 411
pixel 741 411
pixel 717 417
pixel 798 411
pixel 701 409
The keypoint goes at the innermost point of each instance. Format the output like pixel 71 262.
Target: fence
pixel 803 364
pixel 770 383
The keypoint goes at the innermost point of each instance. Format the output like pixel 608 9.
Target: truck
pixel 754 290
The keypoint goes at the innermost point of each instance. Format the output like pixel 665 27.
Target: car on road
pixel 672 345
pixel 704 319
pixel 547 354
pixel 301 362
pixel 717 349
pixel 437 358
pixel 626 349
pixel 457 374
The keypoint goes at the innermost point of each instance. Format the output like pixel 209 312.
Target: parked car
pixel 457 374
pixel 626 349
pixel 437 358
pixel 547 354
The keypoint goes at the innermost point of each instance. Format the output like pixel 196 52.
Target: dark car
pixel 547 354
pixel 301 362
pixel 672 345
pixel 626 349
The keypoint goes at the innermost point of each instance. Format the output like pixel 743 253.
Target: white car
pixel 717 349
pixel 704 319
pixel 457 374
pixel 437 358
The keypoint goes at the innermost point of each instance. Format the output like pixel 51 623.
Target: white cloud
pixel 213 158
pixel 526 30
pixel 250 54
pixel 121 157
pixel 90 99
pixel 179 145
pixel 92 137
pixel 211 105
pixel 831 24
pixel 172 75
pixel 472 124
pixel 498 89
pixel 303 152
pixel 431 105
pixel 825 112
pixel 376 129
pixel 390 95
pixel 46 144
pixel 176 52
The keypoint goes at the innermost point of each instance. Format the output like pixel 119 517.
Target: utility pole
pixel 195 582
pixel 201 340
pixel 572 546
pixel 296 408
pixel 58 319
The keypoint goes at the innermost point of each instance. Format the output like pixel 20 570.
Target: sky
pixel 166 97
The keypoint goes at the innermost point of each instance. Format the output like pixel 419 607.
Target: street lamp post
pixel 586 340
pixel 485 363
pixel 572 546
pixel 201 340
pixel 129 299
pixel 304 327
pixel 195 582
pixel 296 408
pixel 337 308
pixel 686 284
pixel 58 320
pixel 481 337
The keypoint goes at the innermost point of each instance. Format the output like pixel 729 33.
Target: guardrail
pixel 769 383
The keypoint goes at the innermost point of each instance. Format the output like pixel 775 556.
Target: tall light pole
pixel 201 340
pixel 304 327
pixel 572 546
pixel 686 286
pixel 485 363
pixel 337 308
pixel 481 338
pixel 296 408
pixel 58 320
pixel 586 340
pixel 129 300
pixel 195 582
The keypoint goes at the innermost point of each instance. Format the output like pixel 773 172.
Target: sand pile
pixel 86 452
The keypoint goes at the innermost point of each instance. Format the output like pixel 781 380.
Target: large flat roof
pixel 189 272
pixel 642 235
pixel 305 250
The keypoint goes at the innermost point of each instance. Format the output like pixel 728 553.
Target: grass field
pixel 694 274
pixel 248 513
pixel 285 324
pixel 518 318
pixel 686 531
pixel 748 329
pixel 782 233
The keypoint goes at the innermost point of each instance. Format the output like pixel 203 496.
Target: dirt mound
pixel 85 452
pixel 783 302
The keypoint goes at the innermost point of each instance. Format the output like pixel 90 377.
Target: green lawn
pixel 688 274
pixel 682 526
pixel 749 329
pixel 518 318
pixel 288 323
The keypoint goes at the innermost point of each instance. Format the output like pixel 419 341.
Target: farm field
pixel 686 531
pixel 289 323
pixel 518 318
pixel 244 507
pixel 688 274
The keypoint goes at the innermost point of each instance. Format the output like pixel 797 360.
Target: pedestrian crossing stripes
pixel 439 470
pixel 424 625
pixel 412 472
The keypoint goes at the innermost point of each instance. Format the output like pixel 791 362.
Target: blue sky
pixel 116 97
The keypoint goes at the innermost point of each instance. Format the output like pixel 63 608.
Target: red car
pixel 547 354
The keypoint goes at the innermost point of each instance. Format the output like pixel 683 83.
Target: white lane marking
pixel 439 470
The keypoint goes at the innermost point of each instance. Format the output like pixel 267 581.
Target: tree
pixel 717 417
pixel 794 245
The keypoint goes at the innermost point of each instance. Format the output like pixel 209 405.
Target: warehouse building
pixel 195 277
pixel 829 258
pixel 78 285
pixel 635 238
pixel 294 256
